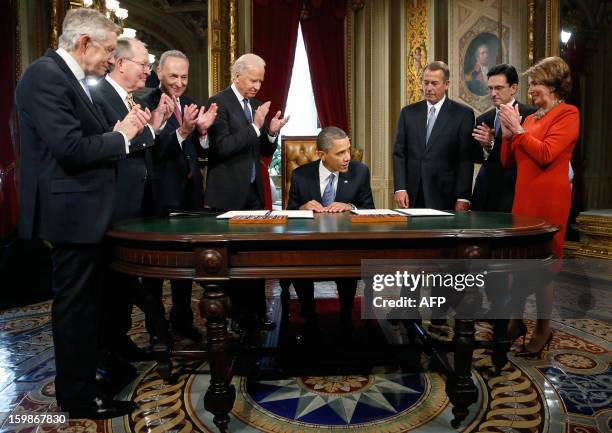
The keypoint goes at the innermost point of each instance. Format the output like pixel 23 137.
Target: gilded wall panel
pixel 417 47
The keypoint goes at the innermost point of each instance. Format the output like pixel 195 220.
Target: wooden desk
pixel 327 247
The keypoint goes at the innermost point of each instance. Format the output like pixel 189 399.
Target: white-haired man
pixel 237 139
pixel 113 96
pixel 67 191
pixel 177 180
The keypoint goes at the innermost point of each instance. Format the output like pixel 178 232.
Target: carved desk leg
pixel 459 386
pixel 220 396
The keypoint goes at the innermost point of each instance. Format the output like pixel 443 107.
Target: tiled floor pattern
pixel 568 390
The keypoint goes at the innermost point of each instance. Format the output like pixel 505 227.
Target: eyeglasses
pixel 145 66
pixel 109 50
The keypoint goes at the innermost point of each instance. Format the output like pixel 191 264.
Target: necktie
pixel 130 101
pixel 328 194
pixel 247 110
pixel 177 113
pixel 249 118
pixel 496 124
pixel 86 89
pixel 431 119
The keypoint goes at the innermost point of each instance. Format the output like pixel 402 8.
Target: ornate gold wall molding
pixel 417 46
pixel 596 226
pixel 218 46
pixel 552 28
pixel 233 7
pixel 55 22
pixel 531 33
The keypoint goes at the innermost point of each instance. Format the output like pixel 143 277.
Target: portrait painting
pixel 480 56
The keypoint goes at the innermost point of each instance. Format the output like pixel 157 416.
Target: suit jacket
pixel 353 186
pixel 133 170
pixel 494 187
pixel 234 148
pixel 178 182
pixel 68 159
pixel 444 165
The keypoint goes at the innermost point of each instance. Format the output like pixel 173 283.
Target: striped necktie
pixel 130 101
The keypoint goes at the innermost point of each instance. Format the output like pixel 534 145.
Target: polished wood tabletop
pixel 328 246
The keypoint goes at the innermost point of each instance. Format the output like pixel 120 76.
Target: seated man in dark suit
pixel 332 184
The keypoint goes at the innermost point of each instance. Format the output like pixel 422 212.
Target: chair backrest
pixel 298 151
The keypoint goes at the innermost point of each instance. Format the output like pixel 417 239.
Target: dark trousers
pixel 181 315
pixel 121 293
pixel 77 282
pixel 249 297
pixel 347 288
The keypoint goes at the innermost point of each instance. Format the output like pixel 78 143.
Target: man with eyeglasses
pixel 113 96
pixel 67 193
pixel 494 188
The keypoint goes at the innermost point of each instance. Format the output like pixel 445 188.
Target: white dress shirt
pixel 324 174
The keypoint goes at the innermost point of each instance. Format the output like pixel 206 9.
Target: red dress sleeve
pixel 562 131
pixel 506 153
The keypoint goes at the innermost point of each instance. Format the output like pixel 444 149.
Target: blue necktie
pixel 496 124
pixel 249 118
pixel 328 194
pixel 431 119
pixel 84 84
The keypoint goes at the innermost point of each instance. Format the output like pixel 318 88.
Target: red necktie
pixel 177 113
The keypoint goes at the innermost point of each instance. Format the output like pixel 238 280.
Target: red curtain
pixel 275 27
pixel 323 32
pixel 8 189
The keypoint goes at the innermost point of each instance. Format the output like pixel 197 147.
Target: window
pixel 300 103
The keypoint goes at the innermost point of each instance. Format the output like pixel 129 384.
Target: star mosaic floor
pixel 568 390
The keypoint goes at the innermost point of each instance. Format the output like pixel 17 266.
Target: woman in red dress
pixel 541 148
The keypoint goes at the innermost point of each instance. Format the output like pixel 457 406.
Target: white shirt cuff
pixel 204 142
pixel 256 129
pixel 180 139
pixel 463 199
pixel 127 142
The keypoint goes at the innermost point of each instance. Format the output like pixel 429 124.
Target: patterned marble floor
pixel 568 390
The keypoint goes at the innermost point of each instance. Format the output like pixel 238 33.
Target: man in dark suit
pixel 177 180
pixel 67 195
pixel 332 184
pixel 432 157
pixel 494 188
pixel 237 139
pixel 113 96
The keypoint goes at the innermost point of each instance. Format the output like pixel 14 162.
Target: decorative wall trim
pixel 233 7
pixel 417 47
pixel 552 28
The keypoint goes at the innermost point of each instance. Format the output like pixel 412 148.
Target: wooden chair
pixel 296 151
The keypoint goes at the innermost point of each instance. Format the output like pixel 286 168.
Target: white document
pixel 234 213
pixel 424 212
pixel 294 213
pixel 375 212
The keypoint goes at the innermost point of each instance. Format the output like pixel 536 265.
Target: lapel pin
pixel 346 181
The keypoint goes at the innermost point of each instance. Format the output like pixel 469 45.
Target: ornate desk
pixel 329 246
